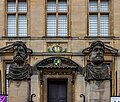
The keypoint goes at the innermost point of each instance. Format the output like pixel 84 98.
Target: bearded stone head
pixel 20 52
pixel 97 52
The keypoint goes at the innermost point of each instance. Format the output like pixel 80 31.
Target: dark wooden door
pixel 57 91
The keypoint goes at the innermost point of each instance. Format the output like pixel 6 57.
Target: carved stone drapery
pixel 96 73
pixel 20 69
pixel 97 69
pixel 20 73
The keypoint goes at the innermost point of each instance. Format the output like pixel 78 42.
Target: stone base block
pixel 19 91
pixel 98 91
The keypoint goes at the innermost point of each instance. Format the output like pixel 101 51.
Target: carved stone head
pixel 20 52
pixel 97 52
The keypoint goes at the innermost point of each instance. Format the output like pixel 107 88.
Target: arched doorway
pixel 57 76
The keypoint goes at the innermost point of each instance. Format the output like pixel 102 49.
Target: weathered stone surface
pixel 19 91
pixel 19 75
pixel 98 91
pixel 96 69
pixel 78 29
pixel 79 88
pixel 20 70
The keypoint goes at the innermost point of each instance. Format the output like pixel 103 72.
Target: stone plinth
pixel 98 91
pixel 19 91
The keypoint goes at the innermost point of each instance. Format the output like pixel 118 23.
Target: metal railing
pixel 32 95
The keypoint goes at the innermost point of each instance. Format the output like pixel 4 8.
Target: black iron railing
pixel 83 97
pixel 32 95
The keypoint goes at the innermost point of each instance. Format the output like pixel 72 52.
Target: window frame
pixel 16 13
pixel 57 13
pixel 99 13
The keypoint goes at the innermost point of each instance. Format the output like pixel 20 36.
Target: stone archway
pixel 55 69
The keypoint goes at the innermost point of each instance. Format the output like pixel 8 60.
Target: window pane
pixel 104 5
pixel 62 25
pixel 7 70
pixel 22 6
pixel 93 25
pixel 51 6
pixel 62 5
pixel 22 25
pixel 104 25
pixel 11 6
pixel 11 25
pixel 93 6
pixel 51 25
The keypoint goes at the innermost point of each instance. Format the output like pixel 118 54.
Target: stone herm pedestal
pixel 19 83
pixel 97 73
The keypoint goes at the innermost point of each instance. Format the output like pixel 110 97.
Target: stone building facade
pixel 58 31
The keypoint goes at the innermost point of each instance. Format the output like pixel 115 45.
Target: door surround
pixel 57 68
